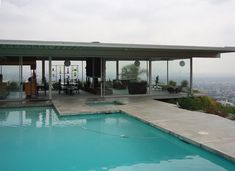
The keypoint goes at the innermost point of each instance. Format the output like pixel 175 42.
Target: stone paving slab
pixel 208 131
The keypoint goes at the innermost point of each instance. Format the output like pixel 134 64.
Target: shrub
pixel 204 103
pixel 184 83
pixel 172 83
pixel 210 105
pixel 196 91
pixel 190 103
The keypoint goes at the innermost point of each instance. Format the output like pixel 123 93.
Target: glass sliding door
pixel 35 78
pixel 179 74
pixel 10 74
pixel 68 79
pixel 110 77
pixel 127 77
pixel 159 77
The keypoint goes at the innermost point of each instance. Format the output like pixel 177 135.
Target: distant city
pixel 220 88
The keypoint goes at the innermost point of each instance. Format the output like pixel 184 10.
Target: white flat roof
pixel 59 49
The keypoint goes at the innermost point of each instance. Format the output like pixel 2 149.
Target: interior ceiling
pixel 81 51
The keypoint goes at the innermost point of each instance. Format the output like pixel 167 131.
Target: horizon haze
pixel 160 22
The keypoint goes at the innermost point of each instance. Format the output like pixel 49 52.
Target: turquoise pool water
pixel 36 139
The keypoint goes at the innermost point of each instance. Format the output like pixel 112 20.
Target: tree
pixel 131 72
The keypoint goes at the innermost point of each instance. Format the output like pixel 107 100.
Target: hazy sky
pixel 170 22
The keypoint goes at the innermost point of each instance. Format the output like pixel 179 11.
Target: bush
pixel 190 103
pixel 211 106
pixel 196 91
pixel 184 83
pixel 227 109
pixel 172 83
pixel 204 103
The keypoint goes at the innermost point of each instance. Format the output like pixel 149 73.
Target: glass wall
pixel 159 73
pixel 22 78
pixel 111 76
pixel 123 77
pixel 25 79
pixel 76 70
pixel 172 76
pixel 129 77
pixel 35 78
pixel 10 78
pixel 179 74
pixel 159 77
pixel 68 79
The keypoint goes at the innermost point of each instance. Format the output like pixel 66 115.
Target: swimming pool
pixel 37 139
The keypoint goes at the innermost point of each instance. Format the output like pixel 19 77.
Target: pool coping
pixel 183 138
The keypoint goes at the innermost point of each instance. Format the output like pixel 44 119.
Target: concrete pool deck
pixel 210 132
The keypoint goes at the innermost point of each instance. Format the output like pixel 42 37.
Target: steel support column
pixel 82 74
pixel 21 77
pixel 167 72
pixel 191 77
pixel 43 70
pixel 150 76
pixel 117 69
pixel 50 83
pixel 101 75
pixel 104 75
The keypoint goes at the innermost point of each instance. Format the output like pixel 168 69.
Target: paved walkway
pixel 211 132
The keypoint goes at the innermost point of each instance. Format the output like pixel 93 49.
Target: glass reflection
pixel 45 117
pixel 129 77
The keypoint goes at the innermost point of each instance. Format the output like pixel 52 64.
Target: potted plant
pixel 184 85
pixel 171 88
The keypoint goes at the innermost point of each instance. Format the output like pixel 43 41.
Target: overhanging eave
pixel 61 50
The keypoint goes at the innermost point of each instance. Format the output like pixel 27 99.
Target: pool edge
pixel 188 140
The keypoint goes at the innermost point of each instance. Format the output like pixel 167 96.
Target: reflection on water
pixel 43 117
pixel 93 142
pixel 29 117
